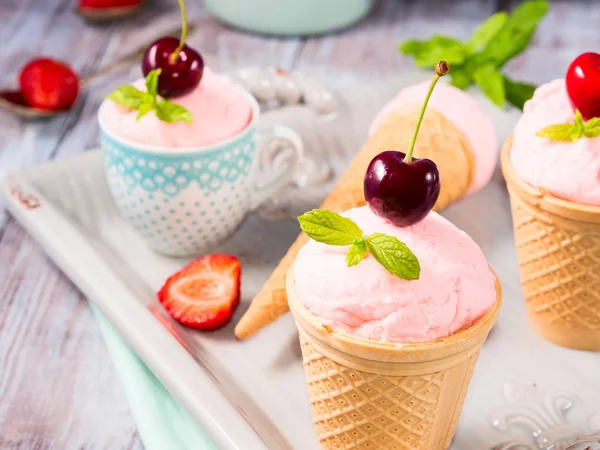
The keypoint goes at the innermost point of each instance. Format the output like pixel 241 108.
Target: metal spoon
pixel 13 101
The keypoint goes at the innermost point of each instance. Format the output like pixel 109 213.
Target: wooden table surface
pixel 58 388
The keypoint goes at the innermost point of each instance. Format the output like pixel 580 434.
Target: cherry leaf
pixel 559 132
pixel 592 128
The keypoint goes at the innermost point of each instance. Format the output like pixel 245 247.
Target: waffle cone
pixel 439 140
pixel 373 395
pixel 558 247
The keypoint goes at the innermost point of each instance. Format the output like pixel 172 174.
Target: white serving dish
pixel 251 395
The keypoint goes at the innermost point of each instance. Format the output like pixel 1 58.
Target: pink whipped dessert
pixel 462 109
pixel 219 111
pixel 456 286
pixel 567 170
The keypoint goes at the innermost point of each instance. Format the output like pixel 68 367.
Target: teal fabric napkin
pixel 163 424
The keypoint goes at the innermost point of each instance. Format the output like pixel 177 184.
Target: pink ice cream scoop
pixel 568 170
pixel 462 109
pixel 455 289
pixel 219 111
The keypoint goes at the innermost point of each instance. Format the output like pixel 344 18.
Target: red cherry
pixel 177 77
pixel 583 84
pixel 49 84
pixel 108 9
pixel 400 188
pixel 105 4
pixel 401 192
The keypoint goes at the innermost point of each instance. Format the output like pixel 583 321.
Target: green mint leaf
pixel 592 128
pixel 460 78
pixel 394 255
pixel 491 82
pixel 145 108
pixel 356 252
pixel 127 96
pixel 486 31
pixel 578 127
pixel 152 81
pixel 412 47
pixel 572 131
pixel 518 93
pixel 329 228
pixel 428 53
pixel 576 133
pixel 559 132
pixel 172 112
pixel 515 35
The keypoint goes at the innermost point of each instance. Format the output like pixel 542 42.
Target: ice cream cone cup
pixel 558 247
pixel 439 140
pixel 376 395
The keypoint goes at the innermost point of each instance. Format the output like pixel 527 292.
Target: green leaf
pixel 559 132
pixel 127 96
pixel 145 108
pixel 172 112
pixel 578 127
pixel 152 81
pixel 460 78
pixel 356 252
pixel 486 31
pixel 518 93
pixel 412 47
pixel 394 255
pixel 592 128
pixel 491 82
pixel 145 102
pixel 428 53
pixel 572 131
pixel 329 227
pixel 515 35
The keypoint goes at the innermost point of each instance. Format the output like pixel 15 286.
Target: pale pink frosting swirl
pixel 568 170
pixel 219 112
pixel 455 289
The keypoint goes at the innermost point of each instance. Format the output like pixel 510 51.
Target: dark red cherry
pixel 401 192
pixel 398 187
pixel 583 84
pixel 178 76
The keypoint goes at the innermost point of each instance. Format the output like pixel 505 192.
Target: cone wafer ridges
pixel 368 395
pixel 355 410
pixel 559 268
pixel 558 247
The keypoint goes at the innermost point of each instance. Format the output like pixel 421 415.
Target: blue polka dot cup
pixel 186 201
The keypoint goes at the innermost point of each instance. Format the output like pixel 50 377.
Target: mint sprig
pixel 479 60
pixel 572 131
pixel 144 102
pixel 330 228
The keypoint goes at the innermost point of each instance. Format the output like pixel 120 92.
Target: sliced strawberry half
pixel 204 294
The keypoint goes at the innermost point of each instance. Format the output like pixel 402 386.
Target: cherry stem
pixel 441 69
pixel 175 55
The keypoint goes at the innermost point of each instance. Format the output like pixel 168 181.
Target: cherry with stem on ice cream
pixel 583 84
pixel 400 188
pixel 182 66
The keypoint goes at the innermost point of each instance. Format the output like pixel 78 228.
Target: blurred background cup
pixel 290 17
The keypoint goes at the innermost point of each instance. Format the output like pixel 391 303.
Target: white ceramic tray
pixel 251 395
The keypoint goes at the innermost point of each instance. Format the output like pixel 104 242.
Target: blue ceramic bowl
pixel 290 17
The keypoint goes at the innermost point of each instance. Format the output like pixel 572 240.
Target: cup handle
pixel 265 138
